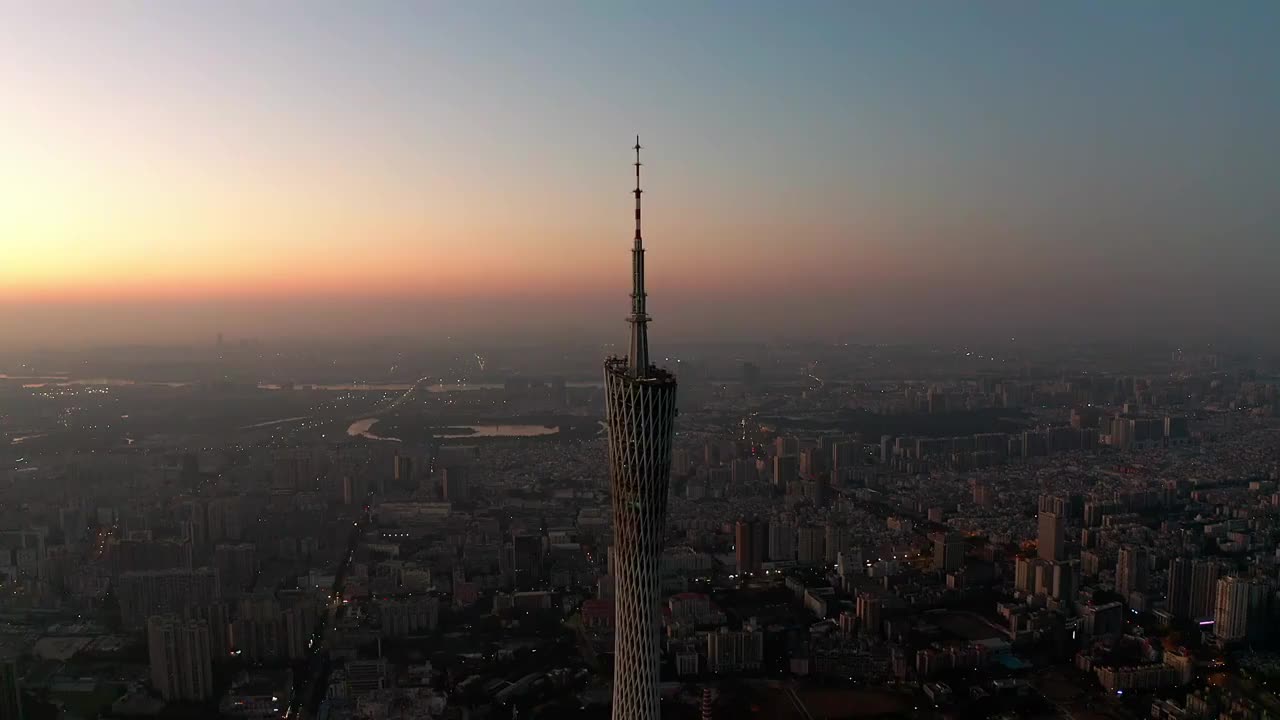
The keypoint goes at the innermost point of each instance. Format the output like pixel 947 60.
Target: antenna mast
pixel 639 355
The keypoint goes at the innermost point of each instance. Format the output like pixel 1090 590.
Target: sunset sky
pixel 173 169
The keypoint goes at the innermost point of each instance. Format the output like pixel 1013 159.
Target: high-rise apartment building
pixel 237 565
pixel 193 519
pixel 711 455
pixel 1090 563
pixel 640 410
pixel 782 541
pixel 1239 608
pixel 983 494
pixel 145 554
pixel 1056 504
pixel 526 560
pixel 845 456
pixel 258 631
pixel 181 666
pixel 161 592
pixel 402 468
pixel 1051 544
pixel 750 537
pixel 407 616
pixel 743 471
pixel 294 470
pixel 299 627
pixel 948 551
pixel 1179 592
pixel 868 610
pixel 1204 588
pixel 836 541
pixel 786 470
pixel 225 516
pixel 1024 573
pixel 366 676
pixel 1042 577
pixel 213 614
pixel 732 651
pixel 1064 580
pixel 1132 571
pixel 1102 620
pixel 681 463
pixel 457 483
pixel 351 489
pixel 810 545
pixel 813 462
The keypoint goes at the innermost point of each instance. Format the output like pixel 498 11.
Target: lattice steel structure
pixel 640 409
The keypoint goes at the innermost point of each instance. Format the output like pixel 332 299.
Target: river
pixel 269 423
pixel 361 428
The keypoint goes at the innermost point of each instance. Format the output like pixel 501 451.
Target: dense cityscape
pixel 851 531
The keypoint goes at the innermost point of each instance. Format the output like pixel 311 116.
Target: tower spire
pixel 639 355
pixel 640 413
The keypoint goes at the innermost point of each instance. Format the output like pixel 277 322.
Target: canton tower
pixel 640 410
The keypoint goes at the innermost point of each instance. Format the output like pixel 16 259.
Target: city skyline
pixel 948 388
pixel 1093 170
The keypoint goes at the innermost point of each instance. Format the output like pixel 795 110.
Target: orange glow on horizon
pixel 310 282
pixel 301 283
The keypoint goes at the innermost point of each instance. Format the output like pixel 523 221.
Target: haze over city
pixel 831 170
pixel 564 360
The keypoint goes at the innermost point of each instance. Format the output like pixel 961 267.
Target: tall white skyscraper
pixel 640 411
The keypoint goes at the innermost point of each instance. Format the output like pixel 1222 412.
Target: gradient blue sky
pixel 890 169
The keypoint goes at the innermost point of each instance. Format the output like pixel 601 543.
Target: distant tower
pixel 640 409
